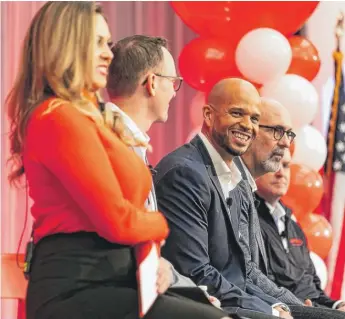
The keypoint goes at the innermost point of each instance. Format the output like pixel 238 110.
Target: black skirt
pixel 83 276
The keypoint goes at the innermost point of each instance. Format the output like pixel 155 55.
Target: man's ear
pixel 207 114
pixel 151 85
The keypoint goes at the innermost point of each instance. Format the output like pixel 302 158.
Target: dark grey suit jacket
pixel 253 246
pixel 204 240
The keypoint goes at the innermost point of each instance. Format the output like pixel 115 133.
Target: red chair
pixel 13 282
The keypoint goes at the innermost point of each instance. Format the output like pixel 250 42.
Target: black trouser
pixel 82 276
pixel 254 314
pixel 304 312
pixel 197 294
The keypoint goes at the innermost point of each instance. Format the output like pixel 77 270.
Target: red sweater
pixel 82 177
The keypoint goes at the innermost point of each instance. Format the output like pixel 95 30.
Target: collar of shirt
pixel 277 212
pixel 151 202
pixel 130 124
pixel 251 179
pixel 232 173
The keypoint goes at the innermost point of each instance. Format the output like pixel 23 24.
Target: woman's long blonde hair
pixel 55 61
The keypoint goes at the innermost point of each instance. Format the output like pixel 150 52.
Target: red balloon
pixel 233 19
pixel 205 61
pixel 287 17
pixel 319 234
pixel 305 58
pixel 207 18
pixel 305 190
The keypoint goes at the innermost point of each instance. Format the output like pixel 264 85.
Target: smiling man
pixel 197 189
pixel 274 138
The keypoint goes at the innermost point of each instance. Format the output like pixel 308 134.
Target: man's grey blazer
pixel 252 245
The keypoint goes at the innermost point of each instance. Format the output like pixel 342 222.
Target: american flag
pixel 336 132
pixel 334 177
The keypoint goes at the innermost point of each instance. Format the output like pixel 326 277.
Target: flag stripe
pixel 338 98
pixel 336 220
pixel 325 208
pixel 342 297
pixel 338 275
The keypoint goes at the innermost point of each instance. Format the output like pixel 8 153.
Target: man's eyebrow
pixel 241 109
pixel 288 129
pixel 235 108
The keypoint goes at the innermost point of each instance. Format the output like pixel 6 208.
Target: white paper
pixel 148 280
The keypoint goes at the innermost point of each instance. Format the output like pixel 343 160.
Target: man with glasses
pixel 266 155
pixel 142 80
pixel 274 137
pixel 140 96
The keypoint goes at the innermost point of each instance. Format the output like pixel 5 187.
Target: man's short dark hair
pixel 133 56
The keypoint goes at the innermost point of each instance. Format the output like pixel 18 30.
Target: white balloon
pixel 193 133
pixel 310 148
pixel 297 94
pixel 263 55
pixel 321 269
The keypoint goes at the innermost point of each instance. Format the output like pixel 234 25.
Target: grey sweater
pixel 253 247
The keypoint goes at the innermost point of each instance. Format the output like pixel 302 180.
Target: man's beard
pixel 272 165
pixel 221 140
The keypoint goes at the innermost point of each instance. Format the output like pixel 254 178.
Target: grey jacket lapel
pixel 254 224
pixel 256 229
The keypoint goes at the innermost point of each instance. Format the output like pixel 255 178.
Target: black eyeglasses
pixel 278 132
pixel 176 80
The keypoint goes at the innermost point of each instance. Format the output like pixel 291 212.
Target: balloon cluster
pixel 254 40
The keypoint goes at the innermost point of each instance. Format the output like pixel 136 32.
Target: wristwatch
pixel 339 305
pixel 285 308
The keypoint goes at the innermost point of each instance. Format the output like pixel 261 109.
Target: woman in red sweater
pixel 88 187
